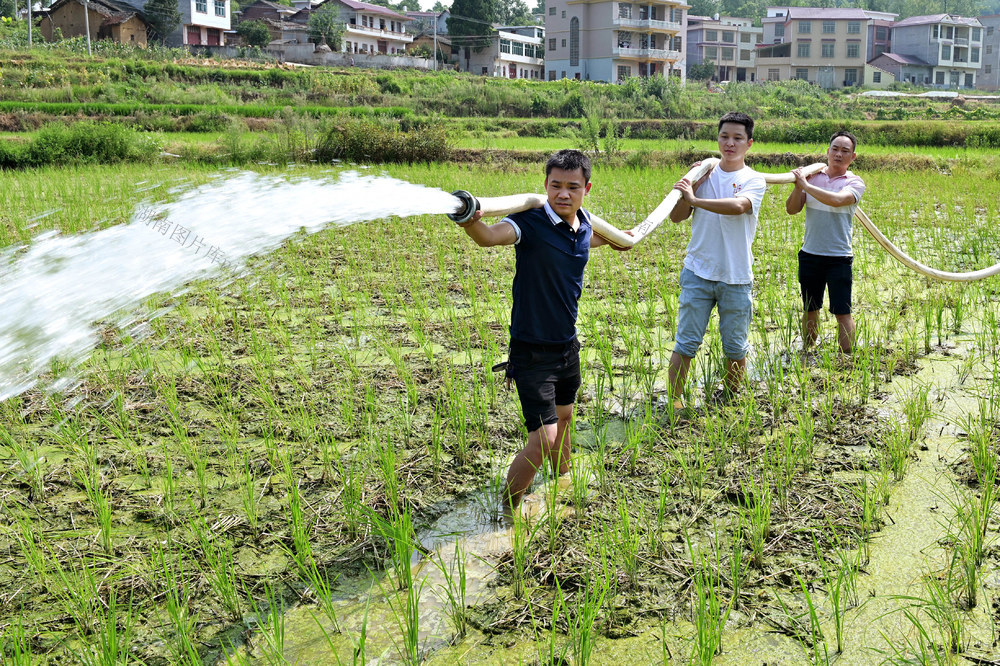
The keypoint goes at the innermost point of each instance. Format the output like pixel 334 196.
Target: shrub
pixel 88 141
pixel 378 139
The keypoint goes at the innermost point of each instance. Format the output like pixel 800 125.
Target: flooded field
pixel 298 461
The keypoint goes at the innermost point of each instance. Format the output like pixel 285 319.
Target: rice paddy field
pixel 300 461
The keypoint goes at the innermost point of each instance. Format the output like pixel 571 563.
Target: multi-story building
pixel 951 45
pixel 514 52
pixel 989 75
pixel 203 23
pixel 372 28
pixel 879 35
pixel 729 43
pixel 611 40
pixel 824 46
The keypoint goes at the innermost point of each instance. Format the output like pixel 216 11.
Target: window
pixel 829 27
pixel 485 71
pixel 517 48
pixel 946 52
pixel 728 37
pixel 552 72
pixel 850 77
pixel 969 80
pixel 624 11
pixel 201 6
pixel 853 50
pixel 828 49
pixel 805 27
pixel 881 33
pixel 711 53
pixel 564 13
pixel 802 74
pixel 727 54
pixel 989 49
pixel 745 38
pixel 939 78
pixel 974 51
pixel 876 77
pixel 803 49
pixel 934 32
pixel 624 71
pixel 552 45
pixel 574 42
pixel 988 69
pixel 976 34
pixel 529 50
pixel 220 7
pixel 854 27
pixel 744 54
pixel 989 30
pixel 711 35
pixel 563 75
pixel 949 32
pixel 504 46
pixel 779 30
pixel 773 75
pixel 564 46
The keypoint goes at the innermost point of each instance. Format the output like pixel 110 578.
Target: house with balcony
pixel 372 29
pixel 989 75
pixel 608 40
pixel 729 43
pixel 823 46
pixel 952 47
pixel 514 52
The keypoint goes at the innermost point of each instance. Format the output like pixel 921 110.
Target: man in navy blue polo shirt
pixel 552 244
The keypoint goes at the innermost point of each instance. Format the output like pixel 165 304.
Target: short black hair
pixel 570 160
pixel 740 119
pixel 854 139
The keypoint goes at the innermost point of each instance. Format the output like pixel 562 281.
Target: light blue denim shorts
pixel 698 297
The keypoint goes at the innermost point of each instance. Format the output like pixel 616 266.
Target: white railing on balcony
pixel 961 41
pixel 658 54
pixel 647 24
pixel 389 34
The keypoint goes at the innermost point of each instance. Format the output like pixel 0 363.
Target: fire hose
pixel 501 206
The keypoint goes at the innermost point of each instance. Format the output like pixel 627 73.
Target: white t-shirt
pixel 720 244
pixel 828 228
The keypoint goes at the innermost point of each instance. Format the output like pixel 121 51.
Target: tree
pixel 163 17
pixel 701 72
pixel 254 33
pixel 539 8
pixel 325 25
pixel 514 12
pixel 439 7
pixel 404 6
pixel 471 19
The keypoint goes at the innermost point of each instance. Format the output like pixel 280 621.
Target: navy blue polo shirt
pixel 549 276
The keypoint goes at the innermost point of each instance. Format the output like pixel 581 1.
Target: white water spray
pixel 58 286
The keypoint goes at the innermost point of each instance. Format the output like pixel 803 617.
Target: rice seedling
pixel 407 614
pixel 521 535
pixel 582 630
pixel 709 614
pixel 114 642
pixel 756 515
pixel 397 532
pixel 454 589
pixel 812 639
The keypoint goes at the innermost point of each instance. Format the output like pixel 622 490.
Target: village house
pixel 728 43
pixel 514 52
pixel 108 19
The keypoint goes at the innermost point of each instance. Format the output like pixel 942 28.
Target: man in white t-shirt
pixel 717 269
pixel 830 198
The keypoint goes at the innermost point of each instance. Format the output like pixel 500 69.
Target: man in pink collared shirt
pixel 830 198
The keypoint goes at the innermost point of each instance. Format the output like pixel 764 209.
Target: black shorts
pixel 545 376
pixel 817 273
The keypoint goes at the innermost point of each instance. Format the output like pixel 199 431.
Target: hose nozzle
pixel 470 205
